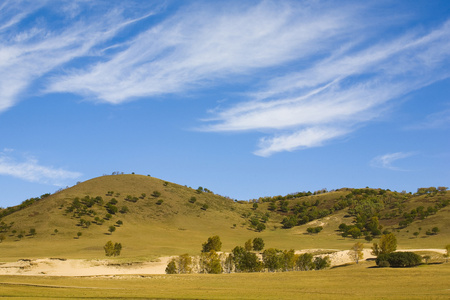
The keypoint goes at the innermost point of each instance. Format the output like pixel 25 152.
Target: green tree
pixel 117 249
pixel 192 200
pixel 213 243
pixel 321 262
pixel 245 261
pixel 111 229
pixel 356 252
pixel 171 267
pixel 388 244
pixel 288 260
pixel 184 264
pixel 210 263
pixel 355 232
pixel 109 248
pixel 304 262
pixel 112 249
pixel 447 254
pixel 248 245
pixel 258 244
pixel 32 231
pixel 260 227
pixel 156 194
pixel 272 259
pixel 255 206
pixel 79 233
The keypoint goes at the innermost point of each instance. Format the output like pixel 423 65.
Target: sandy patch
pixel 80 267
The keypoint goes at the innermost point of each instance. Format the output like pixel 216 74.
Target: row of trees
pixel 244 259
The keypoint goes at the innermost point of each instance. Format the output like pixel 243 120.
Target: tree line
pixel 247 258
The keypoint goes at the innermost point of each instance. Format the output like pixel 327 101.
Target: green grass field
pixel 349 282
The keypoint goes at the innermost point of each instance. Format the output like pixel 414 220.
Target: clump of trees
pixel 386 255
pixel 399 259
pixel 112 249
pixel 244 259
pixel 312 230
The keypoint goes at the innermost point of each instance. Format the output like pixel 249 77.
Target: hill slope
pixel 163 218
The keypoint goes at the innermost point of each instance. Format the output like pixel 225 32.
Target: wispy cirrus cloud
pixel 340 92
pixel 29 52
pixel 438 120
pixel 30 170
pixel 314 71
pixel 182 52
pixel 386 161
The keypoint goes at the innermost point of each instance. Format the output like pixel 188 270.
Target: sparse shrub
pixel 159 202
pixel 260 227
pixel 124 210
pixel 192 200
pixel 156 194
pixel 205 206
pixel 79 233
pixel 314 229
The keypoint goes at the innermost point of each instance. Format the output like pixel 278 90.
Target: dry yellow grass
pixel 351 282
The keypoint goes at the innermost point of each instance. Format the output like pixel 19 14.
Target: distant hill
pixel 152 218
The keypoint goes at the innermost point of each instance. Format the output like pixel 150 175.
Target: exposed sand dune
pixel 80 267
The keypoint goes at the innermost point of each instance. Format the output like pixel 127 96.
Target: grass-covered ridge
pixel 151 218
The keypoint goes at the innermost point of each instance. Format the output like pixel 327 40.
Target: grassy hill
pixel 163 218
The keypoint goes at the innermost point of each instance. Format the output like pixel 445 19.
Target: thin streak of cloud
pixel 30 170
pixel 27 55
pixel 182 53
pixel 438 120
pixel 386 161
pixel 350 89
pixel 307 138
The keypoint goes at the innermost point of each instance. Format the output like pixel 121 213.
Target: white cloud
pixel 31 53
pixel 386 161
pixel 315 70
pixel 183 52
pixel 309 137
pixel 30 170
pixel 344 91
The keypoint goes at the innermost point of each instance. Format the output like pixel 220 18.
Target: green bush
pixel 400 259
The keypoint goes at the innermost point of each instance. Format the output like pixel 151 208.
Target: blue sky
pixel 245 98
